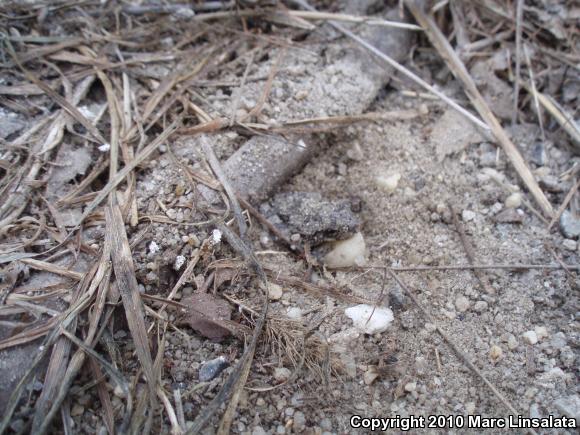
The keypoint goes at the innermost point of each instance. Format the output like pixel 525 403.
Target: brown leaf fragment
pixel 508 216
pixel 206 314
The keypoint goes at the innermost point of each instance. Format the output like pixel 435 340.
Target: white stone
pixel 470 408
pixel 462 304
pixel 361 317
pixel 179 261
pixel 495 352
pixel 530 337
pixel 541 332
pixel 480 306
pixel 105 148
pixel 388 182
pixel 514 200
pixel 347 253
pixel 467 215
pixel 410 387
pixel 294 313
pixel 154 248
pixel 281 374
pixel 216 236
pixel 274 291
pixel 512 342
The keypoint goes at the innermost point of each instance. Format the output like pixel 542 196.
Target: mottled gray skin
pixel 316 219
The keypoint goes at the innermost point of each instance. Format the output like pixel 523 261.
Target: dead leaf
pixel 207 315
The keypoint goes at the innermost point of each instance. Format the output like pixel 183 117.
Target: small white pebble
pixel 495 352
pixel 569 244
pixel 541 332
pixel 467 215
pixel 480 306
pixel 216 236
pixel 530 337
pixel 462 304
pixel 274 292
pixel 347 253
pixel 388 183
pixel 410 387
pixel 282 374
pixel 514 200
pixel 179 261
pixel 294 313
pixel 104 148
pixel 154 248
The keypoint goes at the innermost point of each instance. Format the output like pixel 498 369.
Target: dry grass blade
pixel 71 109
pixel 221 176
pixel 127 284
pixel 60 355
pixel 458 68
pixel 564 119
pixel 42 265
pixel 120 176
pixel 565 203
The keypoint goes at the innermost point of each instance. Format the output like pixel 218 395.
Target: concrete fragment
pixel 368 319
pixel 347 253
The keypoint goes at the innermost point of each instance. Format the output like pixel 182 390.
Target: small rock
pixel 282 374
pixel 326 424
pixel 347 253
pixel 355 152
pixel 514 200
pixel 530 337
pixel 480 306
pixel 467 215
pixel 558 340
pixel 569 244
pixel 294 313
pixel 388 182
pixel 570 225
pixel 274 291
pixel 370 375
pixel 211 369
pixel 535 410
pixel 299 423
pixel 153 248
pixel 361 317
pixel 260 402
pixel 512 342
pixel 258 430
pixel 541 332
pixel 508 216
pixel 462 304
pixel 538 154
pixel 470 408
pixel 495 353
pixel 410 387
pixel 397 299
pixel 569 406
pixel 77 410
pixel 430 327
